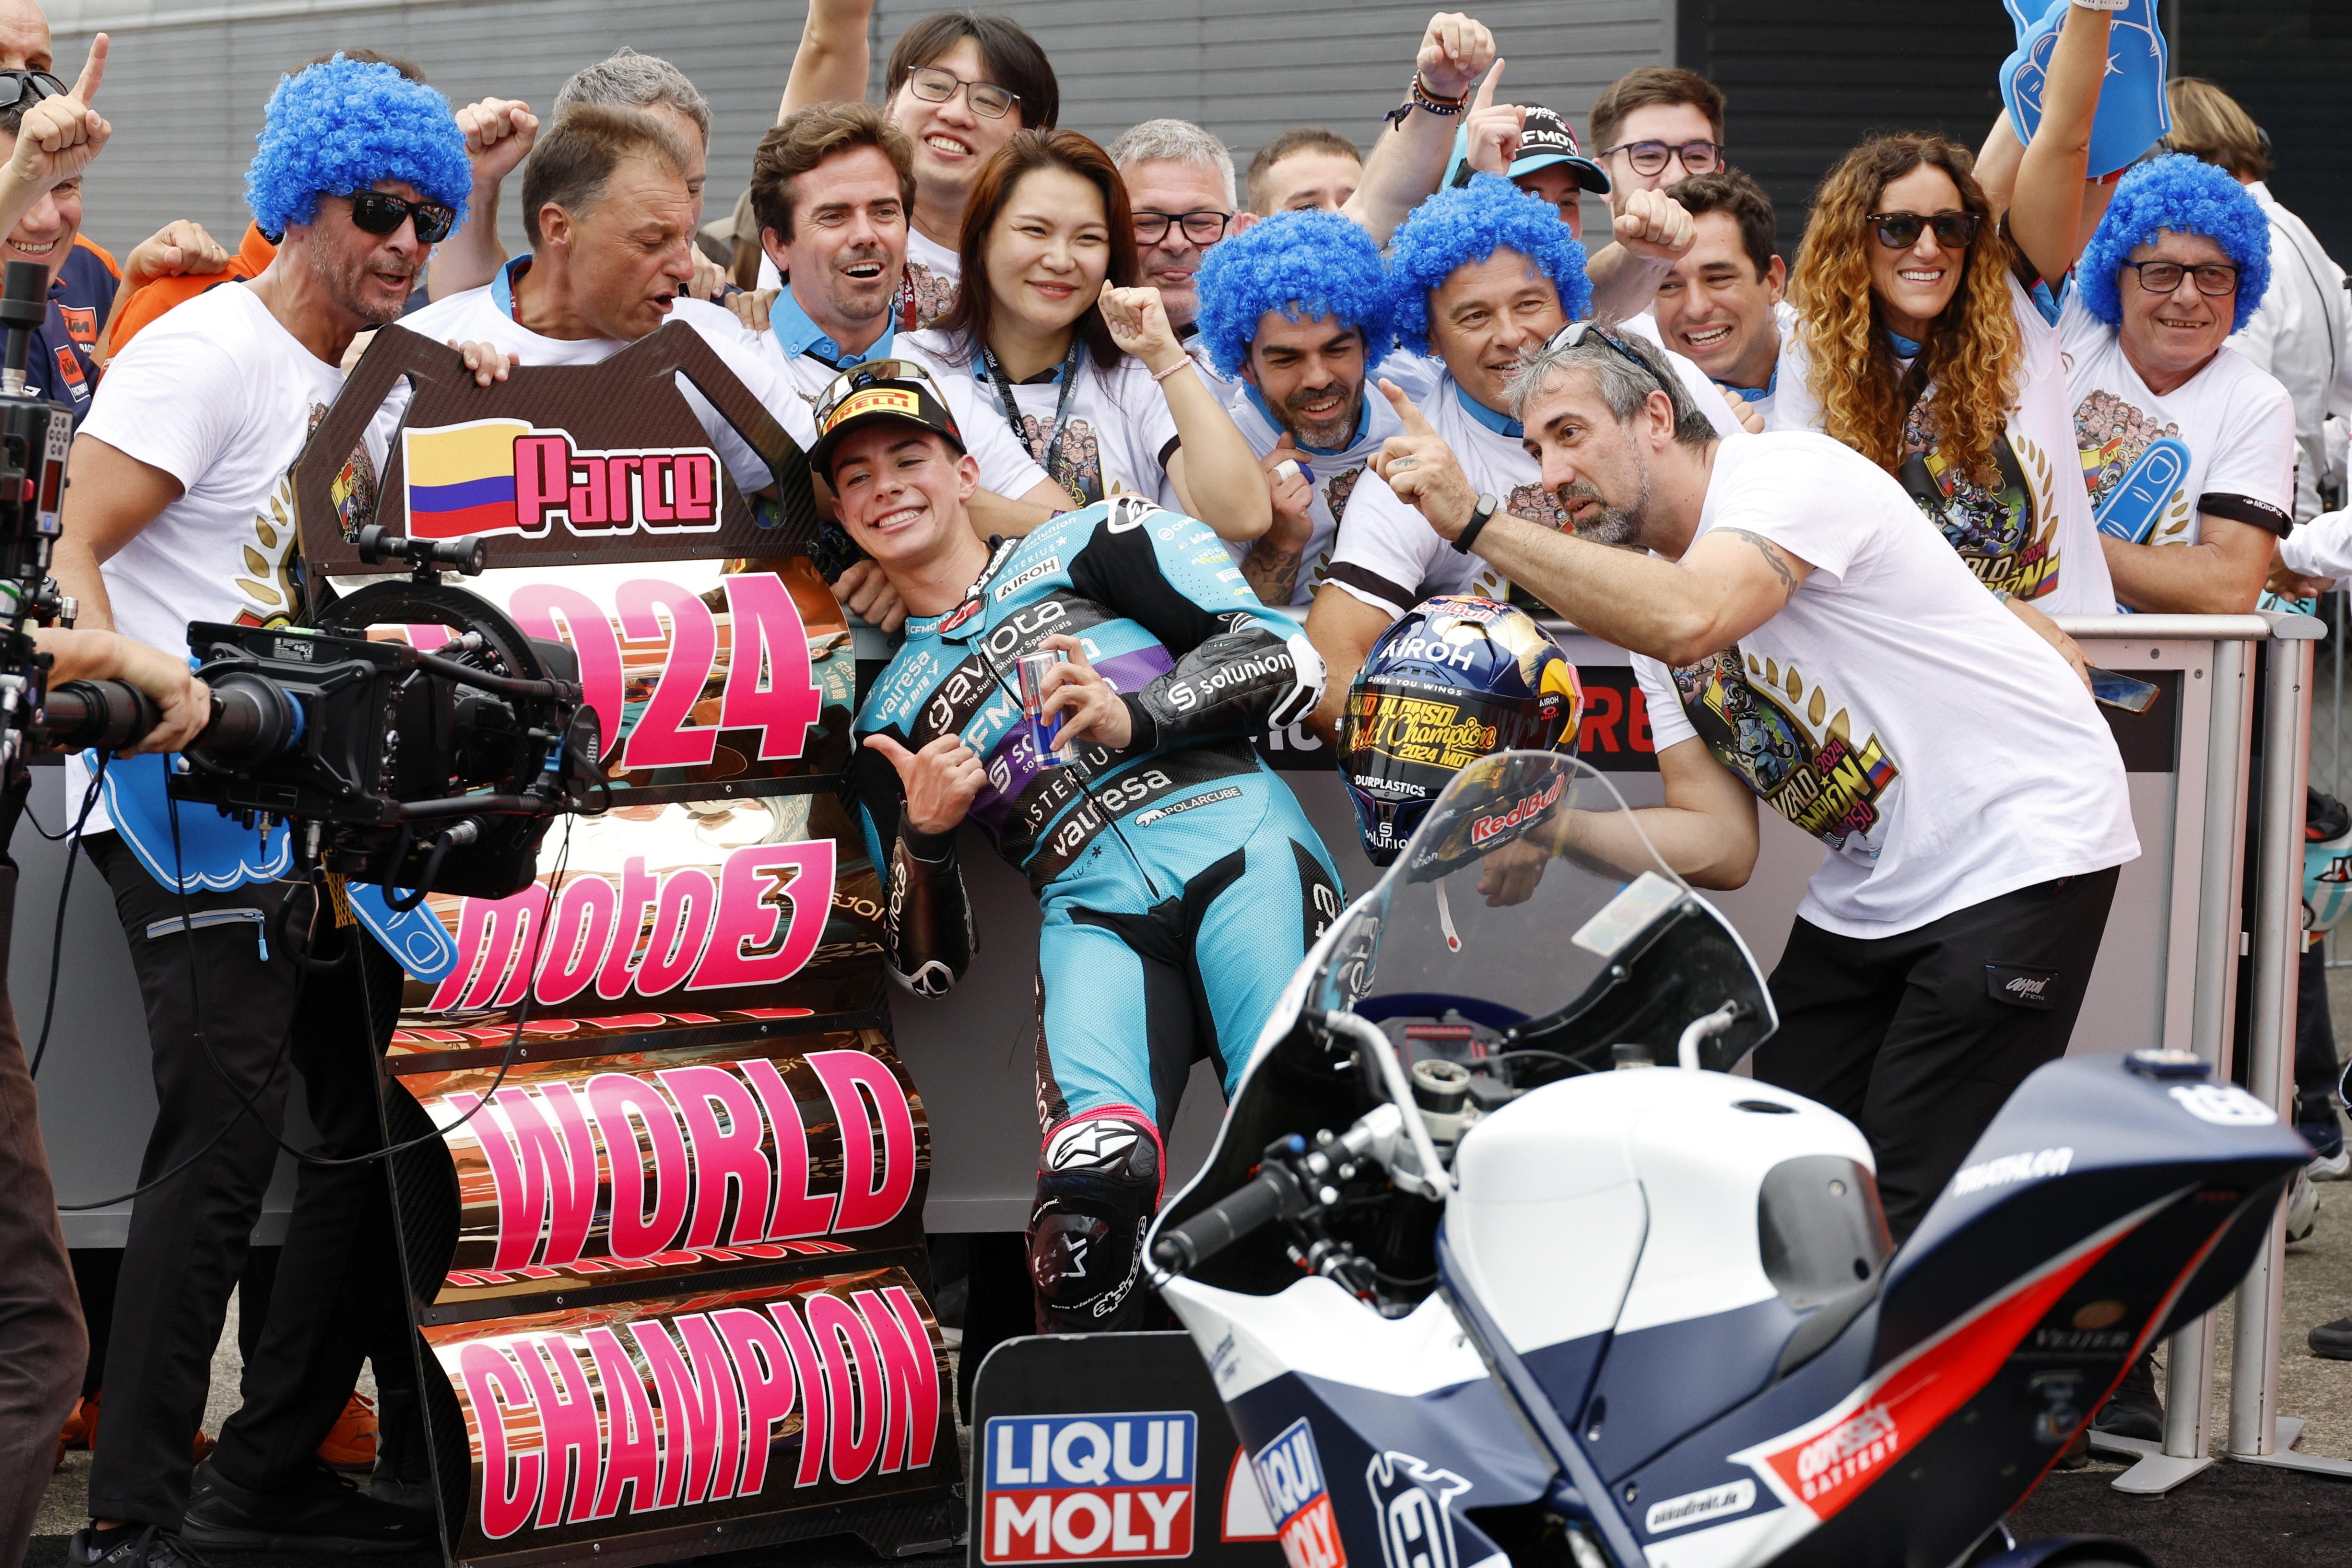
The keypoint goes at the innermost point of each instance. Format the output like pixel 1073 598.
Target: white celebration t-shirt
pixel 2222 441
pixel 1118 437
pixel 2032 536
pixel 1333 474
pixel 1388 554
pixel 1944 752
pixel 220 396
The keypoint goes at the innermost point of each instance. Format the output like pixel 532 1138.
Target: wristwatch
pixel 1481 514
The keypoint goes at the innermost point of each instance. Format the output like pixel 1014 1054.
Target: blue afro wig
pixel 1303 263
pixel 1469 223
pixel 2185 196
pixel 340 127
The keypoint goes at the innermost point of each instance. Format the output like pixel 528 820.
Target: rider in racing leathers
pixel 1180 882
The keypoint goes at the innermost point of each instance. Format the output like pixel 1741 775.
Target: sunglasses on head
pixel 872 372
pixel 380 212
pixel 1577 333
pixel 1900 231
pixel 27 87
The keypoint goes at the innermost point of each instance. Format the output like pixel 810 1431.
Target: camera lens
pixel 254 719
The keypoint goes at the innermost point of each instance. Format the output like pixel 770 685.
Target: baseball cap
pixel 899 390
pixel 1545 139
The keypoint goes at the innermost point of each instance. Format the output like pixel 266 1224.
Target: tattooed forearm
pixel 1272 571
pixel 1771 553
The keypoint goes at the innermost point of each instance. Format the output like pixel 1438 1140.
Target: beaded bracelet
pixel 1420 97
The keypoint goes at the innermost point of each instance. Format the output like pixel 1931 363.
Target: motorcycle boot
pixel 2133 1410
pixel 1098 1188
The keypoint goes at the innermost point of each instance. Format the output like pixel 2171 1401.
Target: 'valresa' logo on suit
pixel 504 476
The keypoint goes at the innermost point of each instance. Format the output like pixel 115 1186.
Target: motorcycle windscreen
pixel 1531 913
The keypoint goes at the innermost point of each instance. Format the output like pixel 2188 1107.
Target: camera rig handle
pixel 468 553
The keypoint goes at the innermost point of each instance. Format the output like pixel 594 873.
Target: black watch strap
pixel 1480 515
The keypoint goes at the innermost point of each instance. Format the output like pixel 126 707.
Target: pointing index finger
pixel 1415 425
pixel 1486 88
pixel 94 70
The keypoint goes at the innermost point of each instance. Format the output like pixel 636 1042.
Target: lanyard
pixel 1003 385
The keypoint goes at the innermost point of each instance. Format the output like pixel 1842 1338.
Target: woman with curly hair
pixel 1920 345
pixel 2189 452
pixel 1051 335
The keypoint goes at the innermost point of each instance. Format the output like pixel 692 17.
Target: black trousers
pixel 337 1295
pixel 41 1343
pixel 1919 1039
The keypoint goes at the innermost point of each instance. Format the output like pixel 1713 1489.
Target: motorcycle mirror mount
pixel 1705 1028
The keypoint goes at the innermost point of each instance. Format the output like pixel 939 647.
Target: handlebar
pixel 1273 1194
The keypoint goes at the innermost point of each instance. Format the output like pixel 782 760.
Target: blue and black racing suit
pixel 1180 882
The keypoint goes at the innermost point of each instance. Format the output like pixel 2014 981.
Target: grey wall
pixel 186 96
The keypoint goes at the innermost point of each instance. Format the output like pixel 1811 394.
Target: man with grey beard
pixel 1800 639
pixel 182 509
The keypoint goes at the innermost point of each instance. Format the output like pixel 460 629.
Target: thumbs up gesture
pixel 942 781
pixel 1421 469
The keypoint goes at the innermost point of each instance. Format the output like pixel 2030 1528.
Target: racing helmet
pixel 1455 680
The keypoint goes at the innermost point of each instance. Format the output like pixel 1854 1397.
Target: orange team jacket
pixel 146 304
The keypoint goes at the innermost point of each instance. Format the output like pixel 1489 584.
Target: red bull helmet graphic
pixel 1455 680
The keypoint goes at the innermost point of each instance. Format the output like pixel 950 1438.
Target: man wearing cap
pixel 1295 309
pixel 1179 880
pixel 182 492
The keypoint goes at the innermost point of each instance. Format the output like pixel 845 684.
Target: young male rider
pixel 1180 882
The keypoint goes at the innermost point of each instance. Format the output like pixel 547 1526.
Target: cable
pixel 72 837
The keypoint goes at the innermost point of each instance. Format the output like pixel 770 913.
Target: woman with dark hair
pixel 961 87
pixel 1053 337
pixel 1920 344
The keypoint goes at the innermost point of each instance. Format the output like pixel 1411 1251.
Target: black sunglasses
pixel 27 87
pixel 1575 333
pixel 1900 231
pixel 380 212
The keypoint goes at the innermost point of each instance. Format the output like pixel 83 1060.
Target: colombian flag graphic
pixel 461 477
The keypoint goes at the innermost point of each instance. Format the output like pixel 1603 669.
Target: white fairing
pixel 1317 1329
pixel 1623 1200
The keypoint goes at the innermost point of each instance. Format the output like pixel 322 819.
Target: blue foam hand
pixel 2135 506
pixel 2132 112
pixel 214 852
pixel 415 937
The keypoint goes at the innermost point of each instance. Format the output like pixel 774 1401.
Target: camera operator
pixel 1802 639
pixel 181 494
pixel 41 1340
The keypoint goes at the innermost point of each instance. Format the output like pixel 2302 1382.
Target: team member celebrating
pixel 1654 126
pixel 1309 169
pixel 181 490
pixel 1180 881
pixel 1297 308
pixel 1918 344
pixel 1052 339
pixel 1721 303
pixel 831 188
pixel 1180 189
pixel 959 86
pixel 2188 451
pixel 1932 965
pixel 1480 277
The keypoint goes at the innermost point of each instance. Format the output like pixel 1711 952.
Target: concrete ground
pixel 2231 1514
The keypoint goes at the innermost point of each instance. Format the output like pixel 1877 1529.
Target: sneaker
pixel 351 1444
pixel 319 1509
pixel 130 1546
pixel 2302 1209
pixel 2332 1340
pixel 2132 1410
pixel 2335 1167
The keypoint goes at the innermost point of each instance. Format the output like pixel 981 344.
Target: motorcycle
pixel 1495 1261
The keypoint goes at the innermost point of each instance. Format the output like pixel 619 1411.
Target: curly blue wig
pixel 1469 223
pixel 2185 196
pixel 340 127
pixel 1303 263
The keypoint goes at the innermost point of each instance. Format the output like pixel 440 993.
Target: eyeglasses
pixel 1649 157
pixel 1900 231
pixel 2215 278
pixel 1203 227
pixel 1574 334
pixel 872 372
pixel 934 85
pixel 27 87
pixel 380 212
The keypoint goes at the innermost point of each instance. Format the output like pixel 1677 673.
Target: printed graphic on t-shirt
pixel 1761 720
pixel 2112 436
pixel 924 297
pixel 1078 462
pixel 2007 536
pixel 267 581
pixel 1335 491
